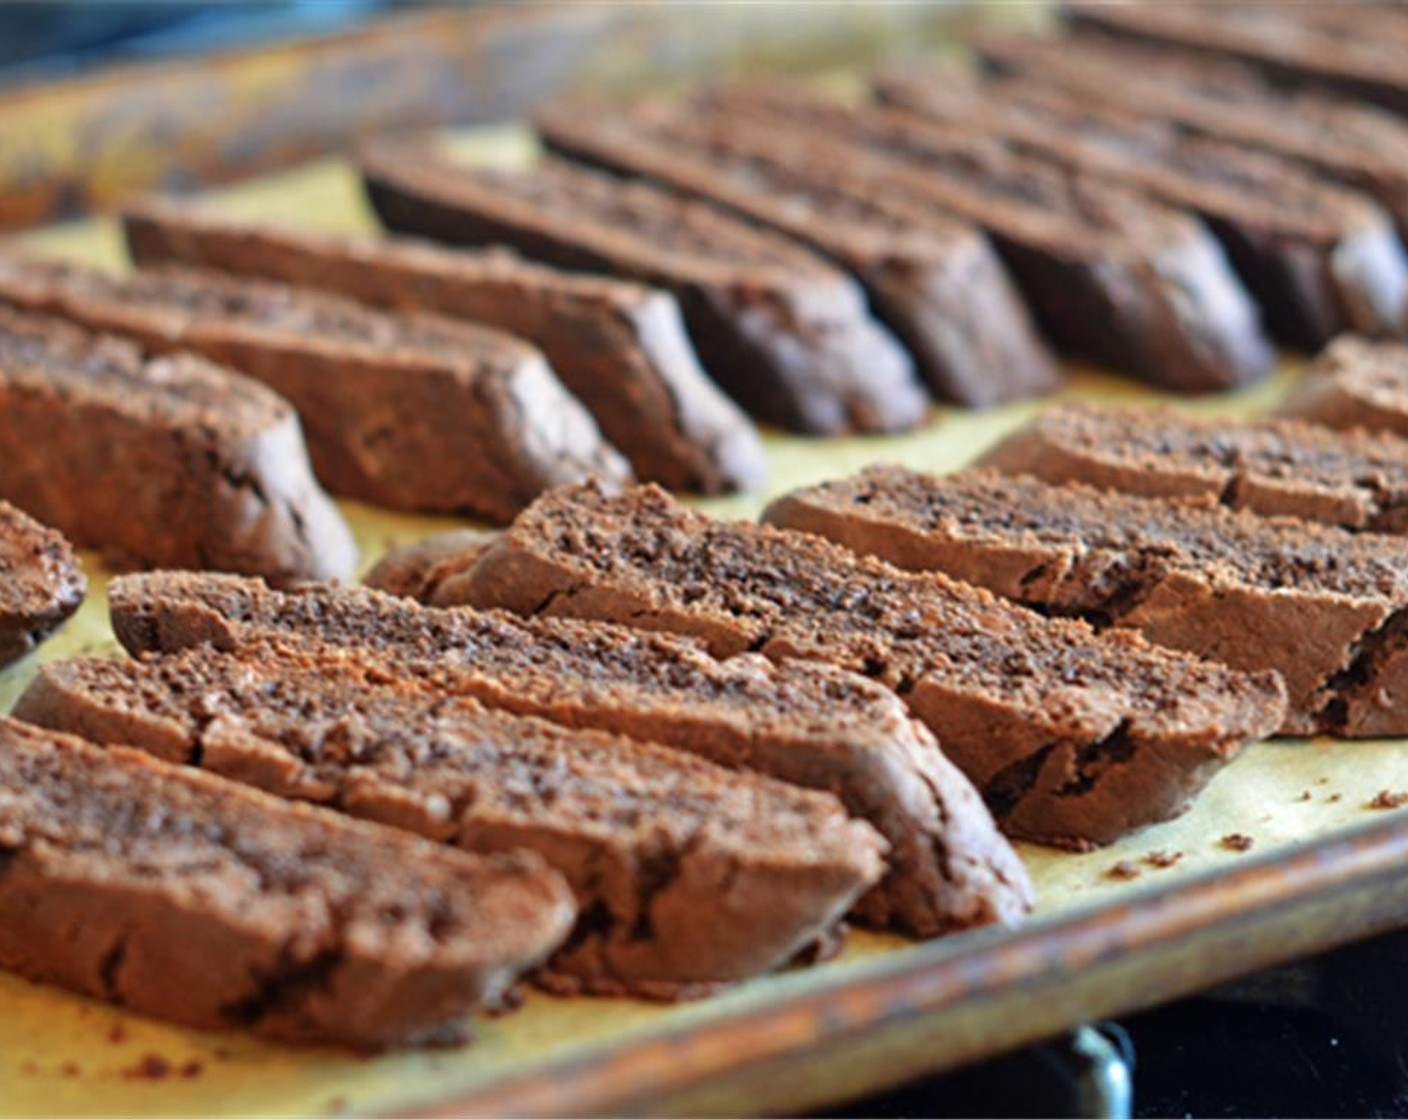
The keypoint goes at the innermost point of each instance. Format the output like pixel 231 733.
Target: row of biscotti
pixel 788 795
pixel 1072 737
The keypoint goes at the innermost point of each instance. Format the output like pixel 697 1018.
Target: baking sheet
pixel 65 1055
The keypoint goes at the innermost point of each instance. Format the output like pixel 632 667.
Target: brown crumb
pixel 1322 781
pixel 222 1054
pixel 152 1067
pixel 1385 799
pixel 192 1068
pixel 117 1033
pixel 70 1069
pixel 1334 797
pixel 1304 795
pixel 1237 842
pixel 1162 859
pixel 1123 870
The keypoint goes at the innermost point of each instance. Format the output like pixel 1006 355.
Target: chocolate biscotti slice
pixel 1319 258
pixel 1323 608
pixel 416 570
pixel 935 281
pixel 183 896
pixel 1112 277
pixel 41 583
pixel 410 412
pixel 618 346
pixel 1353 143
pixel 1355 383
pixel 1275 467
pixel 1275 38
pixel 1072 737
pixel 810 725
pixel 686 875
pixel 785 334
pixel 173 462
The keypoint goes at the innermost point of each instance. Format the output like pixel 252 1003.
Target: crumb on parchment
pixel 1122 870
pixel 1162 859
pixel 1387 799
pixel 1237 842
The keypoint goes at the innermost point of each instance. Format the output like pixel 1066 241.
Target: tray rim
pixel 1350 885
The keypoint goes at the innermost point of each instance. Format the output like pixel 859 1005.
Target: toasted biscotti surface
pixel 649 839
pixel 41 582
pixel 190 898
pixel 1012 697
pixel 1318 605
pixel 806 724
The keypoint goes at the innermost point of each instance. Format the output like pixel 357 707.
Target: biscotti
pixel 785 334
pixel 410 412
pixel 810 725
pixel 1111 276
pixel 416 570
pixel 1072 737
pixel 936 282
pixel 183 896
pixel 172 463
pixel 41 583
pixel 1274 467
pixel 1277 39
pixel 1323 608
pixel 619 347
pixel 1355 383
pixel 1319 258
pixel 686 875
pixel 1357 144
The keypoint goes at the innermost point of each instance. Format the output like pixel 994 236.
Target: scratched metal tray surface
pixel 1188 908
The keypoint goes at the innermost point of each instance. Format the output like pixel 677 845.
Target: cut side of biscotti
pixel 1323 608
pixel 935 281
pixel 41 582
pixel 1356 383
pixel 1319 258
pixel 809 725
pixel 785 334
pixel 410 412
pixel 186 897
pixel 1275 467
pixel 618 346
pixel 1277 39
pixel 172 462
pixel 1353 143
pixel 1073 737
pixel 1112 276
pixel 686 875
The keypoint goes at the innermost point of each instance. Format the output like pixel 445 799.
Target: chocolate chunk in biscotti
pixel 1269 466
pixel 186 897
pixel 810 725
pixel 1353 143
pixel 785 334
pixel 1287 42
pixel 1112 276
pixel 686 875
pixel 1072 737
pixel 410 412
pixel 618 346
pixel 1354 383
pixel 173 462
pixel 41 583
pixel 1318 257
pixel 934 280
pixel 416 570
pixel 1323 608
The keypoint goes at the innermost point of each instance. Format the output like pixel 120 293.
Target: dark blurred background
pixel 43 41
